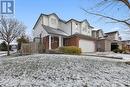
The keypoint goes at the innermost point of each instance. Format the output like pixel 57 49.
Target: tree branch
pixel 10 29
pixel 126 2
pixel 107 17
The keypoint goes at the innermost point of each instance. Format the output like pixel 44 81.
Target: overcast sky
pixel 28 12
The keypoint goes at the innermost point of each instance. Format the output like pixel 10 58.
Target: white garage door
pixel 86 45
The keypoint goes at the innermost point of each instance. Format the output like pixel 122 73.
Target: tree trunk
pixel 8 50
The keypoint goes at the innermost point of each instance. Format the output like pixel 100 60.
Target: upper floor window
pixel 85 28
pixel 88 31
pixel 53 21
pixel 76 25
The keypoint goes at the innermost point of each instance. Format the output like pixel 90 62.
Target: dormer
pixel 100 33
pixel 85 29
pixel 75 26
pixel 53 21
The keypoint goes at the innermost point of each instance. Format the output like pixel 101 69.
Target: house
pixel 114 35
pixel 98 34
pixel 109 42
pixel 126 45
pixel 54 32
pixel 102 44
pixel 115 38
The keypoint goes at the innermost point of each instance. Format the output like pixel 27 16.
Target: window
pixel 76 24
pixel 53 21
pixel 85 28
pixel 88 31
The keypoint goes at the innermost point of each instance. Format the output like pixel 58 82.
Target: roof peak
pixel 64 20
pixel 111 32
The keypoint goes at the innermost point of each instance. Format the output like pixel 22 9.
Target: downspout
pixel 80 28
pixel 71 27
pixel 42 20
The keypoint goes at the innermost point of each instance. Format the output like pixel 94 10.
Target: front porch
pixel 52 41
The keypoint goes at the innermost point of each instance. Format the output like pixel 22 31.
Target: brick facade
pixel 71 41
pixel 54 42
pixel 46 42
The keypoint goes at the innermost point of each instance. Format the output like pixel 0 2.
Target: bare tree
pixel 126 2
pixel 103 2
pixel 10 29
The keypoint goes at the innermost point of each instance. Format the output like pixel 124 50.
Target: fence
pixel 31 48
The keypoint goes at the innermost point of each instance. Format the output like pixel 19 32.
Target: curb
pixel 106 57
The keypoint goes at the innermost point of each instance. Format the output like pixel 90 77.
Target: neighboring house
pixel 102 44
pixel 56 32
pixel 98 34
pixel 126 42
pixel 126 45
pixel 113 36
pixel 110 42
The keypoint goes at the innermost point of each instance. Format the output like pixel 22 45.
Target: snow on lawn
pixel 124 56
pixel 48 70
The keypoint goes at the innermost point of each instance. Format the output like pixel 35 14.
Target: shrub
pixel 21 40
pixel 3 46
pixel 54 51
pixel 118 51
pixel 70 50
pixel 115 50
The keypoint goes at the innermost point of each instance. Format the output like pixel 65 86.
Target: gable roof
pixel 48 15
pixel 60 19
pixel 126 41
pixel 80 22
pixel 55 15
pixel 97 31
pixel 37 20
pixel 51 30
pixel 112 32
pixel 83 36
pixel 73 20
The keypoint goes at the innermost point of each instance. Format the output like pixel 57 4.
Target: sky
pixel 28 12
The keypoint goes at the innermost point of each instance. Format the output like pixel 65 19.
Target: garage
pixel 87 45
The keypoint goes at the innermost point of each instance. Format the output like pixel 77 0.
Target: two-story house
pixel 114 35
pixel 54 32
pixel 115 39
pixel 102 44
pixel 109 42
